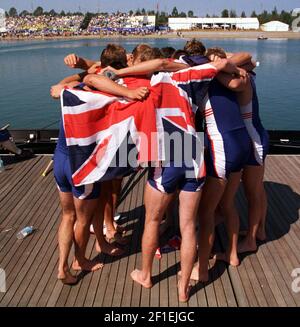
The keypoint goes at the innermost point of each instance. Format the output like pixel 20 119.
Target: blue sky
pixel 200 7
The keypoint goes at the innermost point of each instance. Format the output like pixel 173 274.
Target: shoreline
pixel 252 35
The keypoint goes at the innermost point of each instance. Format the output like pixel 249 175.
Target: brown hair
pixel 178 53
pixel 194 48
pixel 139 49
pixel 149 54
pixel 216 51
pixel 167 52
pixel 113 55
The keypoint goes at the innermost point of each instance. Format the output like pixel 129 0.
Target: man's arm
pixel 73 61
pixel 149 67
pixel 243 60
pixel 73 78
pixel 227 66
pixel 104 84
pixel 236 84
pixel 55 90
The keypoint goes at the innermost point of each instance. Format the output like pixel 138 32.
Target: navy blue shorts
pixel 63 177
pixel 169 179
pixel 227 153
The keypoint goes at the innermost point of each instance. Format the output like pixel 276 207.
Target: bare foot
pixel 87 265
pixel 109 249
pixel 67 278
pixel 232 261
pixel 116 238
pixel 260 235
pixel 247 246
pixel 183 293
pixel 198 274
pixel 136 275
pixel 195 272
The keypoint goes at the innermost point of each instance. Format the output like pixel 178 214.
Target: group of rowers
pixel 236 145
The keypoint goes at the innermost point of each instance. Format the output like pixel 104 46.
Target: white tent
pixel 275 26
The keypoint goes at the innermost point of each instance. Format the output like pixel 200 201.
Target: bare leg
pixel 261 232
pixel 85 210
pixel 169 216
pixel 188 209
pixel 156 204
pixel 65 237
pixel 101 244
pixel 232 219
pixel 211 195
pixel 108 198
pixel 253 184
pixel 116 186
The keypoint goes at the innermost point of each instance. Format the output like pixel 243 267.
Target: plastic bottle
pixel 25 232
pixel 2 168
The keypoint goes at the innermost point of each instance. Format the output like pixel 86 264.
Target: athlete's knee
pixel 69 215
pixel 187 226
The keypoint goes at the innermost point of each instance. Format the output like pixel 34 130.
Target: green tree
pixel 174 12
pixel 151 13
pixel 12 12
pixel 62 13
pixel 207 16
pixel 143 12
pixel 225 13
pixel 38 11
pixel 138 12
pixel 243 14
pixel 286 17
pixel 253 14
pixel 162 18
pixel 52 12
pixel 190 13
pixel 264 17
pixel 86 21
pixel 130 12
pixel 274 14
pixel 182 14
pixel 24 13
pixel 232 13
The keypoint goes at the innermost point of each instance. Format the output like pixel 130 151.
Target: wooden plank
pixel 163 284
pixel 27 251
pixel 124 208
pixel 272 285
pixel 135 240
pixel 40 274
pixel 18 210
pixel 172 281
pixel 233 273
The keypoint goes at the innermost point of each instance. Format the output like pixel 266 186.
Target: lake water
pixel 29 68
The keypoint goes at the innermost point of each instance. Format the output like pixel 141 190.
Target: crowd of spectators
pixel 71 25
pixel 121 23
pixel 44 25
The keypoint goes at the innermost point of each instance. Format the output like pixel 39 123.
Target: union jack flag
pixel 98 126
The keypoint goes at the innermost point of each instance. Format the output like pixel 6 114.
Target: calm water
pixel 29 68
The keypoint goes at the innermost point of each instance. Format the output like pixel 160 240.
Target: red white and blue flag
pixel 108 136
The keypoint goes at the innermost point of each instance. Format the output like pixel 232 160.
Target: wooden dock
pixel 263 279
